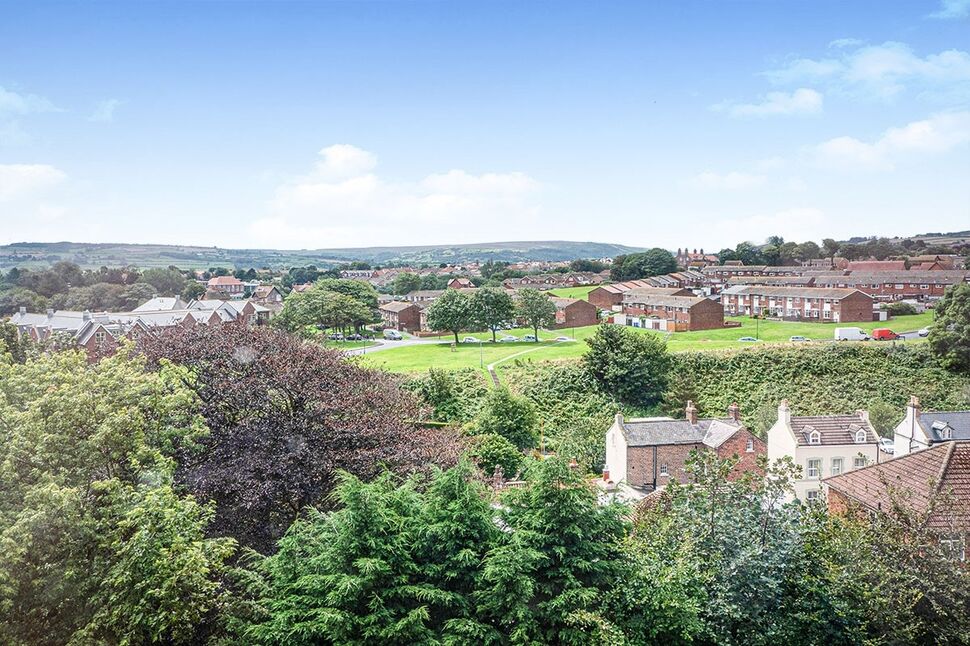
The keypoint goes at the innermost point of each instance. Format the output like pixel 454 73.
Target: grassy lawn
pixel 466 355
pixel 573 292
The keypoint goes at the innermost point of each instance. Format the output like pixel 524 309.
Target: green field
pixel 573 292
pixel 418 358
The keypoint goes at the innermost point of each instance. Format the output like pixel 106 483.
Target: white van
pixel 392 335
pixel 850 334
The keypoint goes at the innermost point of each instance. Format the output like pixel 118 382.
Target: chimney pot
pixel 619 420
pixel 606 475
pixel 914 401
pixel 22 309
pixel 50 313
pixel 691 411
pixel 734 411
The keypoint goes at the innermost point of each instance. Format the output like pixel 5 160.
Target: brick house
pixel 822 445
pixel 646 309
pixel 402 316
pixel 921 429
pixel 574 312
pixel 605 297
pixel 459 283
pixel 940 474
pixel 826 305
pixel 227 285
pixel 897 285
pixel 649 453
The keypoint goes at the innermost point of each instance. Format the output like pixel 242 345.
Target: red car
pixel 884 334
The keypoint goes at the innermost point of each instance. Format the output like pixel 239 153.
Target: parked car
pixel 924 332
pixel 798 338
pixel 887 445
pixel 563 338
pixel 392 335
pixel 470 339
pixel 354 337
pixel 336 336
pixel 850 334
pixel 884 334
pixel 530 337
pixel 508 338
pixel 747 339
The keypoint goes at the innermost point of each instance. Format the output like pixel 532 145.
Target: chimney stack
pixel 50 313
pixel 619 420
pixel 784 412
pixel 691 412
pixel 914 403
pixel 734 412
pixel 606 475
pixel 85 315
pixel 22 310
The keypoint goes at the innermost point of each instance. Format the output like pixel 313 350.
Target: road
pixel 384 344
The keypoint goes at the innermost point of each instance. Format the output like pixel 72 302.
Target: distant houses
pixel 646 308
pixel 829 305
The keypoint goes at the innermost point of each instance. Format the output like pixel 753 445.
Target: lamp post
pixel 481 355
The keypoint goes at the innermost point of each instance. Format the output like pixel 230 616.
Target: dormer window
pixel 814 437
pixel 860 437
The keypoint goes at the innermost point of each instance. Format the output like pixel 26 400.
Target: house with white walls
pixel 822 445
pixel 922 429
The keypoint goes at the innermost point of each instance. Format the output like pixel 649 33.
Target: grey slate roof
pixel 832 429
pixel 935 422
pixel 660 431
pixel 792 292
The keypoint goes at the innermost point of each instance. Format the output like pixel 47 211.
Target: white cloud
pixel 343 202
pixel 884 70
pixel 732 181
pixel 104 111
pixel 952 10
pixel 13 103
pixel 839 43
pixel 801 101
pixel 937 134
pixel 19 181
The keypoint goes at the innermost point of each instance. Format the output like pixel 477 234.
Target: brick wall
pixel 738 444
pixel 640 463
pixel 604 299
pixel 855 307
pixel 578 314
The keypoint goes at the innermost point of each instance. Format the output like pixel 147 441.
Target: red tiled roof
pixel 914 480
pixel 224 280
pixel 877 265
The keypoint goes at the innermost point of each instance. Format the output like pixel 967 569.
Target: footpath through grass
pixel 418 358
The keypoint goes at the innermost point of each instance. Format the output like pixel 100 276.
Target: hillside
pixel 36 254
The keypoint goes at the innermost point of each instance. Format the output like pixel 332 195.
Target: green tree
pixel 492 450
pixel 193 290
pixel 631 366
pixel 512 417
pixel 452 311
pixel 351 576
pixel 653 262
pixel 167 282
pixel 406 282
pixel 950 332
pixel 535 309
pixel 492 309
pixel 98 547
pixel 550 579
pixel 12 344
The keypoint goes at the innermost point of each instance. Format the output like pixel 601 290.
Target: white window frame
pixel 838 466
pixel 860 436
pixel 817 469
pixel 814 438
pixel 664 469
pixel 749 447
pixel 813 495
pixel 859 462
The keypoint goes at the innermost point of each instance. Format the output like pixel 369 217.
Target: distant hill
pixel 37 254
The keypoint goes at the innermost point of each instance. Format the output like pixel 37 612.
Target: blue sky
pixel 318 124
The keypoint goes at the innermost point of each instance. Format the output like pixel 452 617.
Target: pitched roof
pixel 159 303
pixel 917 477
pixel 790 292
pixel 224 280
pixel 832 429
pixel 934 423
pixel 876 265
pixel 664 301
pixel 657 431
pixel 396 306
